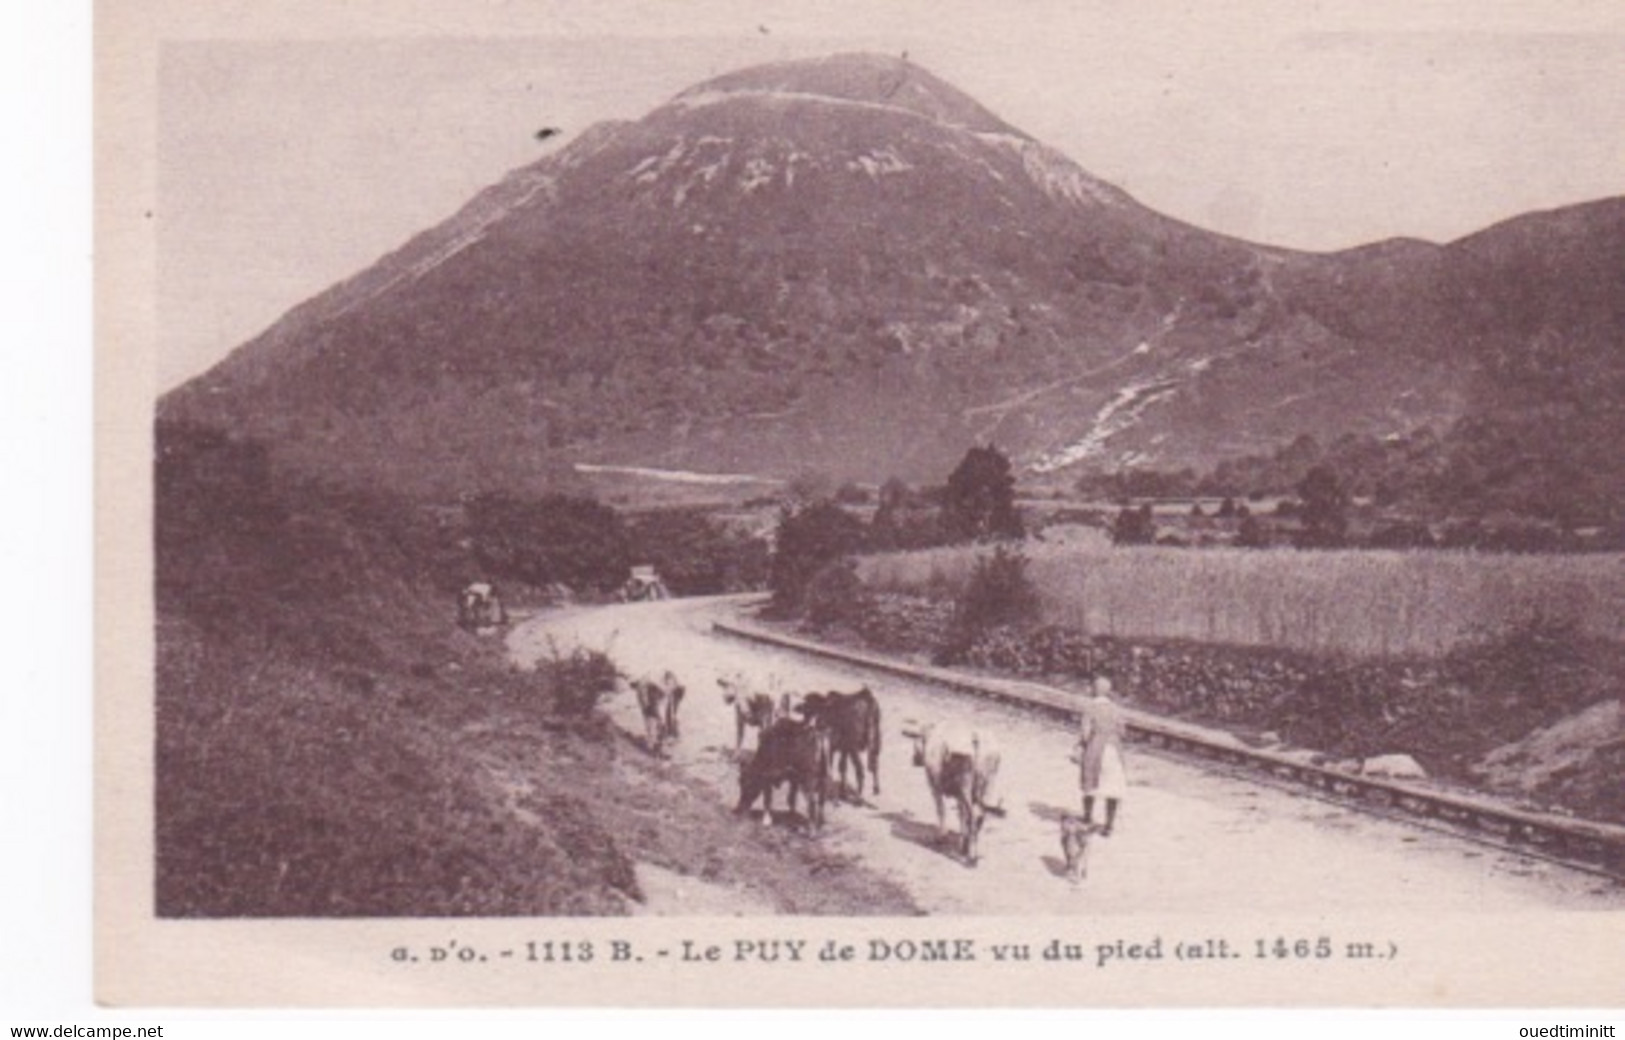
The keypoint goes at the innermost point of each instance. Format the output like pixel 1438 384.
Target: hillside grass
pixel 331 744
pixel 1358 602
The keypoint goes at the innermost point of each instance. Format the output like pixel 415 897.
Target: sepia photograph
pixel 1098 487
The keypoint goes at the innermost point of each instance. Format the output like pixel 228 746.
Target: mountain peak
pixel 871 80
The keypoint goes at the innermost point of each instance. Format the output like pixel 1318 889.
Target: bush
pixel 1253 534
pixel 1403 534
pixel 836 594
pixel 557 538
pixel 698 555
pixel 808 539
pixel 998 593
pixel 1134 526
pixel 575 682
pixel 979 502
pixel 905 519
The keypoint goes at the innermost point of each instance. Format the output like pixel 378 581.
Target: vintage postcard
pixel 917 504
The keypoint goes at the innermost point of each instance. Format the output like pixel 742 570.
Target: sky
pixel 286 164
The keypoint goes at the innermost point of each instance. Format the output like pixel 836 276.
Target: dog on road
pixel 1075 835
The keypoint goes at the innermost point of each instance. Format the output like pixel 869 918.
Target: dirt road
pixel 1186 839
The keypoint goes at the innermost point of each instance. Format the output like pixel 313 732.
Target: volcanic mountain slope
pixel 848 265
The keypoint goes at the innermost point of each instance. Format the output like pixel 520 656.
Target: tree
pixel 904 519
pixel 808 539
pixel 852 493
pixel 696 554
pixel 980 500
pixel 1253 533
pixel 1325 510
pixel 557 538
pixel 894 496
pixel 1134 526
pixel 810 486
pixel 1403 534
pixel 835 594
pixel 998 592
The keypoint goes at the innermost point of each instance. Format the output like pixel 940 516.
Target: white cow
pixel 961 764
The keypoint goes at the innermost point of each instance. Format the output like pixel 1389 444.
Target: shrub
pixel 1134 526
pixel 998 593
pixel 698 555
pixel 1253 533
pixel 557 538
pixel 979 501
pixel 1325 510
pixel 575 682
pixel 1404 534
pixel 808 539
pixel 835 595
pixel 905 519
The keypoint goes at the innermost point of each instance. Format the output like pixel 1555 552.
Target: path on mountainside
pixel 1187 839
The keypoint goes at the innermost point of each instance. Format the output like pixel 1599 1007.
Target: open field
pixel 1367 603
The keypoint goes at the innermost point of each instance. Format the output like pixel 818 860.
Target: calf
pixel 960 765
pixel 786 752
pixel 852 723
pixel 751 709
pixel 658 701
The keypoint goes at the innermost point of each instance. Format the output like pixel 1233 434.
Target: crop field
pixel 1360 602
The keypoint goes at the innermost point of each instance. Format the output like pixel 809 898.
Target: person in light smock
pixel 1101 728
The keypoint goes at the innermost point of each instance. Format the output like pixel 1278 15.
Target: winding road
pixel 1187 838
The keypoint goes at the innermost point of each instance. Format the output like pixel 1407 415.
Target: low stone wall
pixel 1448 712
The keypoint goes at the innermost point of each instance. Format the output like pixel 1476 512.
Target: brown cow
pixel 852 722
pixel 786 752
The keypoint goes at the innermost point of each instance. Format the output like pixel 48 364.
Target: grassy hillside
pixel 331 744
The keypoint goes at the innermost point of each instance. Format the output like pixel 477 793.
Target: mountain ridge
pixel 749 280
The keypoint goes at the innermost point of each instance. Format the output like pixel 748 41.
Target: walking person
pixel 1101 728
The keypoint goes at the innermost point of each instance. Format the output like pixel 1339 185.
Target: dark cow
pixel 786 752
pixel 961 765
pixel 659 701
pixel 751 709
pixel 852 722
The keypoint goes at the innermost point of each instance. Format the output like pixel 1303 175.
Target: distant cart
pixel 644 584
pixel 480 609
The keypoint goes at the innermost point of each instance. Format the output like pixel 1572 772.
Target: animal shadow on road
pixel 840 797
pixel 1057 866
pixel 785 820
pixel 640 740
pixel 921 833
pixel 1048 813
pixel 637 740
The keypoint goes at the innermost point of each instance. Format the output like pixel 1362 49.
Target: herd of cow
pixel 808 743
